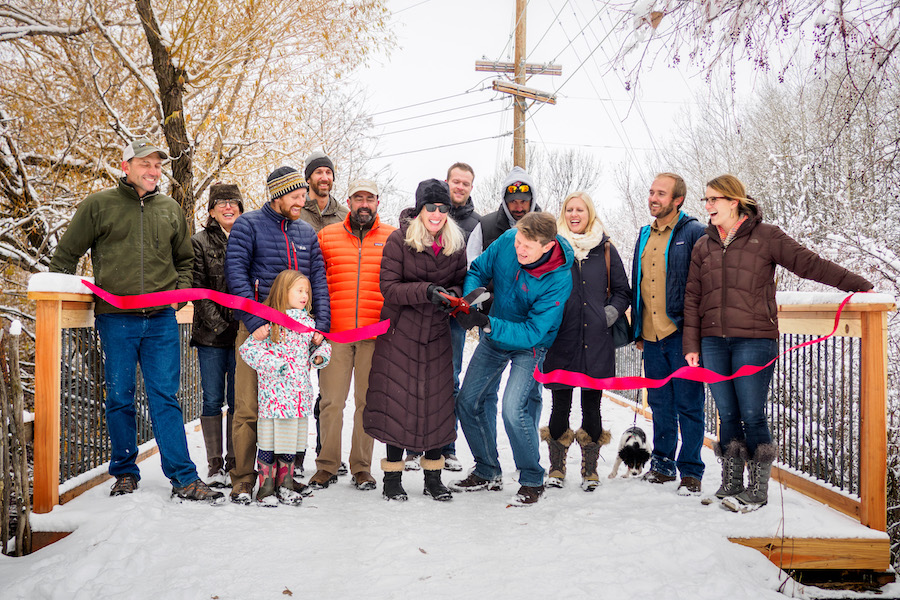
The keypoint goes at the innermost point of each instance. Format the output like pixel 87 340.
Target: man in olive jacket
pixel 139 243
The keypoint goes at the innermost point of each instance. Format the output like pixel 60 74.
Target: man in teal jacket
pixel 139 243
pixel 529 265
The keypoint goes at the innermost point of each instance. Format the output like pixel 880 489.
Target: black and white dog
pixel 633 451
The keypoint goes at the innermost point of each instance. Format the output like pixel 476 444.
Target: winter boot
pixel 759 468
pixel 732 460
pixel 212 437
pixel 590 454
pixel 393 472
pixel 284 484
pixel 266 492
pixel 558 450
pixel 433 485
pixel 229 449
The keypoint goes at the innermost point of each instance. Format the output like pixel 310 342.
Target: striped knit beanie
pixel 284 180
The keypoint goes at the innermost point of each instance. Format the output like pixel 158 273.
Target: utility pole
pixel 517 89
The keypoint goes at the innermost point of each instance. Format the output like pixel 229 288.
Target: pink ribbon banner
pixel 700 374
pixel 238 303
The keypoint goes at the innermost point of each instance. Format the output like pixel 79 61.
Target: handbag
pixel 621 331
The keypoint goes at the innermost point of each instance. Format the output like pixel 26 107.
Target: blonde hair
pixel 418 237
pixel 563 224
pixel 278 297
pixel 732 188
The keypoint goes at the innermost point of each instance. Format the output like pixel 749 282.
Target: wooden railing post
pixel 48 344
pixel 873 421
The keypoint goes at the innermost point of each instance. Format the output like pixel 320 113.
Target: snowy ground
pixel 628 539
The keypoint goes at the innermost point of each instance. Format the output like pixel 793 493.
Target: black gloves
pixel 434 294
pixel 473 319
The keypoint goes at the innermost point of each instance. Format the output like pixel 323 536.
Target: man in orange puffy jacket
pixel 352 252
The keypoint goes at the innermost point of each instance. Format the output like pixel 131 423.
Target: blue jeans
pixel 741 402
pixel 457 343
pixel 216 379
pixel 476 407
pixel 678 404
pixel 152 342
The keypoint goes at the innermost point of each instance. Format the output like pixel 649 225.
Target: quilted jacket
pixel 410 399
pixel 285 391
pixel 731 292
pixel 262 244
pixel 214 324
pixel 353 269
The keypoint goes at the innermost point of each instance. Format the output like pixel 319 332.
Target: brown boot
pixel 590 454
pixel 229 443
pixel 559 448
pixel 212 437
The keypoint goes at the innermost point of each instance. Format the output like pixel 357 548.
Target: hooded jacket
pixel 138 245
pixel 493 224
pixel 262 244
pixel 731 291
pixel 465 216
pixel 528 304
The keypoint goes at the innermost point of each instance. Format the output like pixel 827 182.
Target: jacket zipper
pixel 722 307
pixel 142 246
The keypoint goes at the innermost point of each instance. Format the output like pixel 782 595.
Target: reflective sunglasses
pixel 522 187
pixel 433 207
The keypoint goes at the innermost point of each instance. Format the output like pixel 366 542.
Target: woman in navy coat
pixel 584 343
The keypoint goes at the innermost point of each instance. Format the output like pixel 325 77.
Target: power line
pixel 427 102
pixel 493 112
pixel 437 112
pixel 492 137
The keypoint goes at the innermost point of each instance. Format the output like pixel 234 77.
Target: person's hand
pixel 612 314
pixel 317 338
pixel 472 319
pixel 692 359
pixel 434 294
pixel 318 360
pixel 639 344
pixel 261 332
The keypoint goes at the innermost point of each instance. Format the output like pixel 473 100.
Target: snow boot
pixel 393 472
pixel 229 447
pixel 266 493
pixel 732 460
pixel 558 450
pixel 212 438
pixel 590 454
pixel 285 486
pixel 433 485
pixel 756 494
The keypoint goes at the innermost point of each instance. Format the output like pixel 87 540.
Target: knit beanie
pixel 432 191
pixel 284 180
pixel 315 160
pixel 225 191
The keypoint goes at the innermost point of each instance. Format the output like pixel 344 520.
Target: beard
pixel 363 216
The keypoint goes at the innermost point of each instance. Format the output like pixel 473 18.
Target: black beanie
pixel 315 160
pixel 432 191
pixel 284 180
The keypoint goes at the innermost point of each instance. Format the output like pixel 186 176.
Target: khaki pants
pixel 246 409
pixel 334 383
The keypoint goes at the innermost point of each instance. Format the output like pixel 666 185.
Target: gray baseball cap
pixel 140 148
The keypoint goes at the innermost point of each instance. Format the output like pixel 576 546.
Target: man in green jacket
pixel 139 244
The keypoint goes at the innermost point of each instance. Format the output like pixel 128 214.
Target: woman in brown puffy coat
pixel 410 399
pixel 731 319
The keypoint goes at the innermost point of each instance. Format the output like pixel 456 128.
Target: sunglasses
pixel 522 187
pixel 226 203
pixel 433 207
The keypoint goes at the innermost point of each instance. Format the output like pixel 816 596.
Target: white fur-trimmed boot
pixel 759 469
pixel 559 448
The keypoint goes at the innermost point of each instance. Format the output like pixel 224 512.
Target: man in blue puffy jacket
pixel 662 257
pixel 529 265
pixel 263 243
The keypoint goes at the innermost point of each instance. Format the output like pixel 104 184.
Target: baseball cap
pixel 363 185
pixel 140 148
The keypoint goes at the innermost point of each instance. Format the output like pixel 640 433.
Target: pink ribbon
pixel 235 302
pixel 699 374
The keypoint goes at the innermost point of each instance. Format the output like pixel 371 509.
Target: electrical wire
pixel 469 91
pixel 493 112
pixel 437 112
pixel 492 137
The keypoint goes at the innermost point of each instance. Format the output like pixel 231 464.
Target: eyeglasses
pixel 521 187
pixel 227 203
pixel 714 199
pixel 433 207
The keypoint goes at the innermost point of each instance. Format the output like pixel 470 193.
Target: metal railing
pixel 84 443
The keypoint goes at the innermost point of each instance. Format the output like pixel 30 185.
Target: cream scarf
pixel 583 243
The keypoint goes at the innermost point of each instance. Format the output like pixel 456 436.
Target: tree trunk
pixel 171 94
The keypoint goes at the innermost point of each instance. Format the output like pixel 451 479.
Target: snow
pixel 794 298
pixel 15 327
pixel 58 282
pixel 629 539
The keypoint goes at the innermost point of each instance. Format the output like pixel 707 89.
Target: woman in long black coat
pixel 410 399
pixel 584 343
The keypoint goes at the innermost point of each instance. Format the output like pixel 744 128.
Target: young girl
pixel 283 361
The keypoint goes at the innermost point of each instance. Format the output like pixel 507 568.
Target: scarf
pixel 582 243
pixel 729 237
